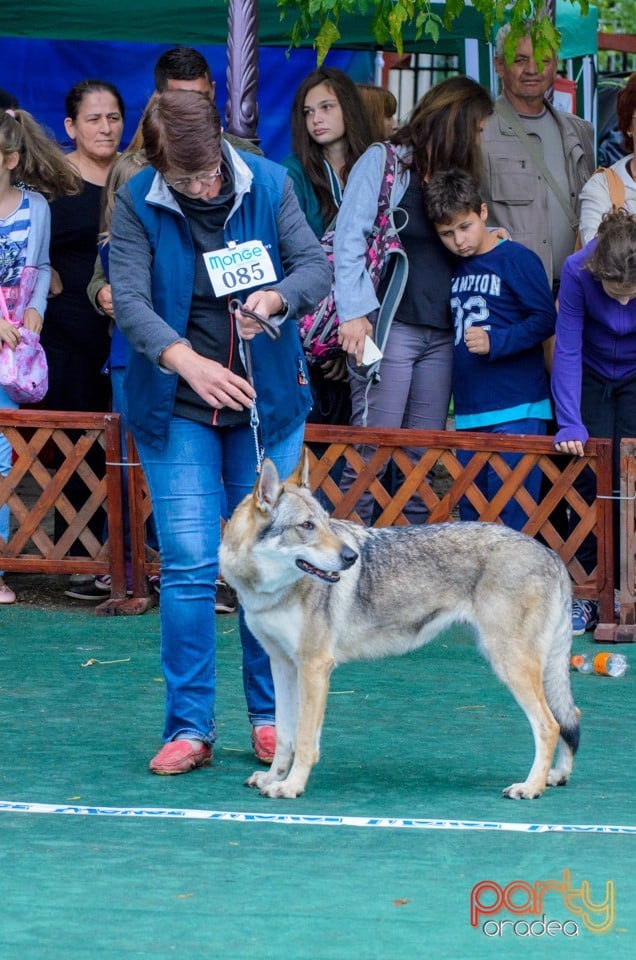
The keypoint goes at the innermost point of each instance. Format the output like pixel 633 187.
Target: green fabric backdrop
pixel 205 22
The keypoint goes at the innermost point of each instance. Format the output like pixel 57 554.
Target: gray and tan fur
pixel 318 592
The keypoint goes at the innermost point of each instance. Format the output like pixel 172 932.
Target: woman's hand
pixel 104 298
pixel 32 320
pixel 336 369
pixel 351 336
pixel 213 382
pixel 500 232
pixel 55 285
pixel 267 303
pixel 573 447
pixel 9 334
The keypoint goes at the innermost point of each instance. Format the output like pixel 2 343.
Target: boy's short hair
pixel 180 63
pixel 449 194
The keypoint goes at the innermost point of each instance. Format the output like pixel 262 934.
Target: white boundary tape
pixel 295 819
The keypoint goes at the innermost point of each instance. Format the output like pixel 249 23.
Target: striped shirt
pixel 14 233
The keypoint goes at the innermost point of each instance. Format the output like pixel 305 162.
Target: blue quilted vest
pixel 280 375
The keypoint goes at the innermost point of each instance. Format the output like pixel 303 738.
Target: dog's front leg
pixel 285 676
pixel 313 687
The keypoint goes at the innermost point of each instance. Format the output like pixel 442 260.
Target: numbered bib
pixel 239 266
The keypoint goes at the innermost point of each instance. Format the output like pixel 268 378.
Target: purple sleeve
pixel 567 365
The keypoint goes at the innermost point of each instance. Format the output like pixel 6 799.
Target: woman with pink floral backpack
pixel 413 387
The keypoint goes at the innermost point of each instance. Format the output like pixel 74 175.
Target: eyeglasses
pixel 204 179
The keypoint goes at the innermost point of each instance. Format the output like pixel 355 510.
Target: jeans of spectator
pixel 489 482
pixel 413 393
pixel 119 406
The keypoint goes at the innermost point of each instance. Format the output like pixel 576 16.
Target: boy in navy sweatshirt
pixel 503 311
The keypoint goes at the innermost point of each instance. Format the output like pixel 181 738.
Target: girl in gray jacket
pixel 415 385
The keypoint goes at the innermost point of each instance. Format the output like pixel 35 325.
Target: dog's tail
pixel 564 710
pixel 557 685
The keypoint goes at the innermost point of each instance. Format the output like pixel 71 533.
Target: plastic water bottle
pixel 582 662
pixel 610 664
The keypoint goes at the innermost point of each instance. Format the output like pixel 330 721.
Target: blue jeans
pixel 6 455
pixel 186 480
pixel 119 406
pixel 488 481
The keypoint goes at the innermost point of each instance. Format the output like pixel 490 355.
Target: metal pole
pixel 241 110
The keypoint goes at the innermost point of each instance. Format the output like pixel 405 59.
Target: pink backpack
pixel 319 329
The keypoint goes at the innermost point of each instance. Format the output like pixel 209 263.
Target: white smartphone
pixel 372 353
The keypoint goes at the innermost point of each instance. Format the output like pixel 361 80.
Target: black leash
pixel 272 329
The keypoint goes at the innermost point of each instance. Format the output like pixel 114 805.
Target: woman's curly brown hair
pixel 614 256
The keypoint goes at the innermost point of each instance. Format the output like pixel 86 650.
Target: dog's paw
pixel 521 791
pixel 281 790
pixel 557 778
pixel 259 779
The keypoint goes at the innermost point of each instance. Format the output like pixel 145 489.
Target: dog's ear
pixel 268 487
pixel 300 476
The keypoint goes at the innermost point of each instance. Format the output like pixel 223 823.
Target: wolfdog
pixel 318 592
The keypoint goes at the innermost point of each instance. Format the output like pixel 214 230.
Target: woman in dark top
pixel 76 337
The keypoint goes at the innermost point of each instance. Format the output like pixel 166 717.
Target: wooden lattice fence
pixel 53 451
pixel 50 447
pixel 441 481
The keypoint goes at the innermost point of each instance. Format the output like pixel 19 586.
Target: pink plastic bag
pixel 24 371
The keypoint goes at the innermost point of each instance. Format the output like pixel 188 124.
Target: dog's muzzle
pixel 347 557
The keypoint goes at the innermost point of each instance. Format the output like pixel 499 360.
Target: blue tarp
pixel 40 72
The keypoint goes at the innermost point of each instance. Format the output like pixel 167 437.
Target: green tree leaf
pixel 325 39
pixel 320 19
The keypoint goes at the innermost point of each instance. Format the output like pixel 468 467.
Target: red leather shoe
pixel 180 756
pixel 264 743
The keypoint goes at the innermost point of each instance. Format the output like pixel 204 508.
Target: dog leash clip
pixel 254 426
